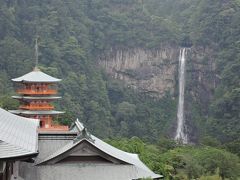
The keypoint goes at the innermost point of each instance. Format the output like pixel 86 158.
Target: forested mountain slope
pixel 75 34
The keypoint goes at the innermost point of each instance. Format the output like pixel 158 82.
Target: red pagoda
pixel 36 92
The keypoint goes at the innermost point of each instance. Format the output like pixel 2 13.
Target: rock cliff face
pixel 155 72
pixel 201 81
pixel 149 71
pixel 201 75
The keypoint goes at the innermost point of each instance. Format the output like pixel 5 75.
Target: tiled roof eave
pixel 10 151
pixel 19 156
pixel 36 76
pixel 18 135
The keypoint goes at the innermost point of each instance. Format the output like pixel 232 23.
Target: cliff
pixel 201 82
pixel 155 73
pixel 149 71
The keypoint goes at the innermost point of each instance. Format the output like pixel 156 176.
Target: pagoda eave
pixel 26 112
pixel 36 97
pixel 36 76
pixel 47 82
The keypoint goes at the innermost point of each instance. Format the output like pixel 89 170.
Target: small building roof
pixel 27 112
pixel 18 135
pixel 128 158
pixel 132 161
pixel 36 76
pixel 50 143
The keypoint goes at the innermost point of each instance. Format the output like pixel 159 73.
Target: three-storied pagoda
pixel 36 92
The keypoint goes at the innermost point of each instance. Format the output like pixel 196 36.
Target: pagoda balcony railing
pixel 43 118
pixel 37 107
pixel 37 92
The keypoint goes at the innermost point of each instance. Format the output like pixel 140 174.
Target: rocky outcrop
pixel 149 71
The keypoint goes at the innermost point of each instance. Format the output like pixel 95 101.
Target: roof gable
pixel 83 151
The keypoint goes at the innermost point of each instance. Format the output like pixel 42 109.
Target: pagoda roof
pixel 37 97
pixel 27 112
pixel 36 76
pixel 18 136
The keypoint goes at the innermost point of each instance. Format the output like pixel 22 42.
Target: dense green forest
pixel 73 33
pixel 190 162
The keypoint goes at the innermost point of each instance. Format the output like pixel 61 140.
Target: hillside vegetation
pixel 74 33
pixel 174 162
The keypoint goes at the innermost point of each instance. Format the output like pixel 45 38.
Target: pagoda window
pixel 42 123
pixel 44 86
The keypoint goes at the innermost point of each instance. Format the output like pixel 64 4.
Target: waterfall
pixel 181 135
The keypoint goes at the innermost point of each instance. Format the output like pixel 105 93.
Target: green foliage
pixel 165 144
pixel 186 162
pixel 233 146
pixel 204 160
pixel 148 153
pixel 139 115
pixel 210 141
pixel 218 28
pixel 8 103
pixel 214 177
pixel 74 33
pixel 210 24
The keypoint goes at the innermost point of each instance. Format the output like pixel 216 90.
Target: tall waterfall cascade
pixel 181 135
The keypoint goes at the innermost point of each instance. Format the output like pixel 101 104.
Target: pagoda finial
pixel 36 54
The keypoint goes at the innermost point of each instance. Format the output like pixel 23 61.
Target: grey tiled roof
pixel 27 112
pixel 36 76
pixel 52 142
pixel 129 158
pixel 18 135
